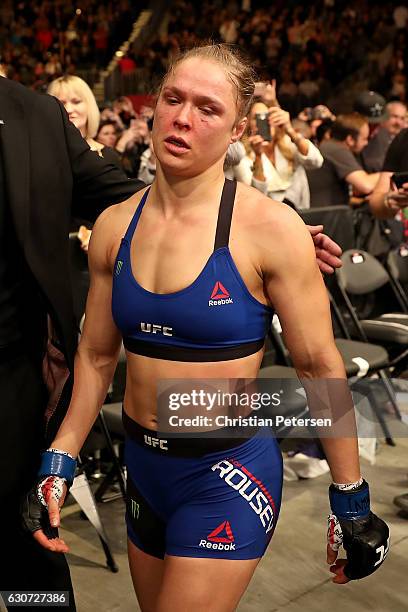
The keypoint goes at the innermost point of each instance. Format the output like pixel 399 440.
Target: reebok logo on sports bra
pixel 219 296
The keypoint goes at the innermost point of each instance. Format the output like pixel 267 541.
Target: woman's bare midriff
pixel 144 374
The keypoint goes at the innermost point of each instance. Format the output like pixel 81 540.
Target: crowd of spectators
pixel 310 157
pixel 40 40
pixel 308 48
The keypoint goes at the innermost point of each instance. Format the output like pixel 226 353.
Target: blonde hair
pixel 76 85
pixel 238 69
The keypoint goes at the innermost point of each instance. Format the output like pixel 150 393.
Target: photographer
pixel 276 159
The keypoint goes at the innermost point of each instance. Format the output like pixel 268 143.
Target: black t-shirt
pixel 396 159
pixel 10 271
pixel 327 184
pixel 373 155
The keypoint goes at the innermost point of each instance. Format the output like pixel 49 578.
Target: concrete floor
pixel 293 576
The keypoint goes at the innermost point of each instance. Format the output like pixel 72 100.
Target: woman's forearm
pixel 343 459
pixel 329 396
pixel 258 172
pixel 300 142
pixel 92 377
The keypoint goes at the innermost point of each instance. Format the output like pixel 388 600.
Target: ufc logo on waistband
pixel 155 442
pixel 153 328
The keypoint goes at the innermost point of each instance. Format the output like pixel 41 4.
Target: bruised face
pixel 195 118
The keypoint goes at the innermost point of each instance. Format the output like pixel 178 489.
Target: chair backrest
pixel 361 273
pixel 397 261
pixel 337 220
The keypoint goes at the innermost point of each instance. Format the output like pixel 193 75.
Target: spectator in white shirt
pixel 275 167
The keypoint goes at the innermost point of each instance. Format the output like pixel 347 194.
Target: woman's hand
pixel 258 144
pixel 279 118
pixel 266 90
pixel 127 139
pixel 41 512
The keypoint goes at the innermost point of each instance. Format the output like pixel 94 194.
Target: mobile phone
pixel 262 125
pixel 399 178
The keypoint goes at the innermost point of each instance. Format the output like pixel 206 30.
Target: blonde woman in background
pixel 80 104
pixel 83 112
pixel 276 167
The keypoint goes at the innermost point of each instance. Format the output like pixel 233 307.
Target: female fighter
pixel 188 273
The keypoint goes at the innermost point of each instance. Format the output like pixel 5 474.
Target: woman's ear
pixel 239 129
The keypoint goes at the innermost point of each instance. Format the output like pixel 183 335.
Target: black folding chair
pixel 361 275
pixel 397 268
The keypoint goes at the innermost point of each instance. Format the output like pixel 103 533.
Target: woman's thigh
pixel 210 585
pixel 147 576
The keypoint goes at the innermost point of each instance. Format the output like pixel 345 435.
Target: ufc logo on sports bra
pixel 155 442
pixel 153 328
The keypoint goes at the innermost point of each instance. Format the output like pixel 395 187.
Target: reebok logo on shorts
pixel 219 296
pixel 221 538
pixel 252 490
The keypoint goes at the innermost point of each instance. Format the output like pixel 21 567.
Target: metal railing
pixel 111 80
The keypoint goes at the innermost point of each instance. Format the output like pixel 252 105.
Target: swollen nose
pixel 183 118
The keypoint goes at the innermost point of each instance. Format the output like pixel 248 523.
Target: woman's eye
pixel 206 110
pixel 76 101
pixel 172 100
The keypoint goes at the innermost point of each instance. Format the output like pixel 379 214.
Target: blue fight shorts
pixel 185 501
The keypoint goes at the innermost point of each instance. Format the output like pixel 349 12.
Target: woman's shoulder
pixel 264 215
pixel 116 218
pixel 111 225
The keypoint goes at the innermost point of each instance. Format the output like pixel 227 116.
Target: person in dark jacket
pixel 47 175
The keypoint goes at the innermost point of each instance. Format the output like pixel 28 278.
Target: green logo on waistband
pixel 118 267
pixel 134 509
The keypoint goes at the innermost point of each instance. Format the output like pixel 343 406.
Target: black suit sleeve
pixel 396 159
pixel 97 183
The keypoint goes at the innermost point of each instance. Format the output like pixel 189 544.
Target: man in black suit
pixel 47 175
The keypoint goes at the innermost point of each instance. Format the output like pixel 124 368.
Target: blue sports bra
pixel 213 319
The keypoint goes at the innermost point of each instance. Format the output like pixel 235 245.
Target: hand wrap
pixel 56 470
pixel 364 536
